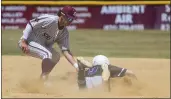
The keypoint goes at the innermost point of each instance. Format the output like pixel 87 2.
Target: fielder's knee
pixel 54 57
pixel 49 63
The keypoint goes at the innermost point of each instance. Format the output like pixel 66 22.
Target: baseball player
pixel 93 75
pixel 42 32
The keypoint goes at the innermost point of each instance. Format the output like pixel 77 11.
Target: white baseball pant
pixel 92 82
pixel 39 51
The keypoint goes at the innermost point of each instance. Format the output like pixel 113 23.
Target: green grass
pixel 139 44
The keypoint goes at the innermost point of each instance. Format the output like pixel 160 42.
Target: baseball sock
pixel 47 66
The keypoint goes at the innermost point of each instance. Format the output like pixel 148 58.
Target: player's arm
pixel 33 24
pixel 26 33
pixel 64 46
pixel 70 58
pixel 116 71
pixel 106 72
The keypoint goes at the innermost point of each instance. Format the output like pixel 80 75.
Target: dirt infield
pixel 20 79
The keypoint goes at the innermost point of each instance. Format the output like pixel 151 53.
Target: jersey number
pixel 92 71
pixel 47 36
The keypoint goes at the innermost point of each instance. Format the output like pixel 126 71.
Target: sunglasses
pixel 69 19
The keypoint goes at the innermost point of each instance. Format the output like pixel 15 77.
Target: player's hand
pixel 24 47
pixel 77 69
pixel 85 62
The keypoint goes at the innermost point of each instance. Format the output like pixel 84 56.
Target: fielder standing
pixel 42 32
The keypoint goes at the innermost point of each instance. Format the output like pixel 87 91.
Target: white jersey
pixel 45 32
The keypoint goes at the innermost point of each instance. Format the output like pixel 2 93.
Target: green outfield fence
pixel 26 2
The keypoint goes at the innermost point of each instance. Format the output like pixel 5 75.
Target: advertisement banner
pixel 107 17
pixel 162 18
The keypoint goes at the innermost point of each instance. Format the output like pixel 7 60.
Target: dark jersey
pixel 115 71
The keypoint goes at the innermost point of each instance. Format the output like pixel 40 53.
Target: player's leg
pixel 49 63
pixel 49 57
pixel 93 81
pixel 130 74
pixel 116 71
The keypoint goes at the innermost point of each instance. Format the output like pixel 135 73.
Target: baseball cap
pixel 69 11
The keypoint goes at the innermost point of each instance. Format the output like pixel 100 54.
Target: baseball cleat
pixel 44 77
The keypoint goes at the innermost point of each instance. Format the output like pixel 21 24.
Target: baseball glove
pixel 83 65
pixel 84 62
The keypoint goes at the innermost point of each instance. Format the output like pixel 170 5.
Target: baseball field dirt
pixel 20 78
